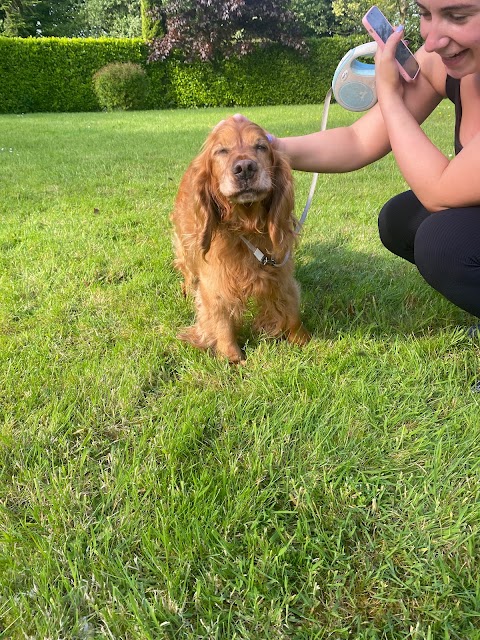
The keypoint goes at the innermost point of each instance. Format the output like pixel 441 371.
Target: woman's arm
pixel 340 149
pixel 439 183
pixel 366 140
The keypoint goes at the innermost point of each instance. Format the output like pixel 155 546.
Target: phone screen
pixel 384 29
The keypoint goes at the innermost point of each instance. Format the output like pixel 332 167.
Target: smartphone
pixel 380 29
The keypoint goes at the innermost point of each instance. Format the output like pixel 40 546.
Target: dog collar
pixel 264 260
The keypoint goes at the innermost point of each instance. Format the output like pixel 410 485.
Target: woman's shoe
pixel 474 331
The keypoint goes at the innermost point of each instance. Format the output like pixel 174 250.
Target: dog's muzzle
pixel 244 170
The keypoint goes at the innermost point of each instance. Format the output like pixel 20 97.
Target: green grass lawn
pixel 149 491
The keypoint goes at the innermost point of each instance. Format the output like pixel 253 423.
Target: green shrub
pixel 121 86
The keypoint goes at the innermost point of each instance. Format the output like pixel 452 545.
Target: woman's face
pixel 451 28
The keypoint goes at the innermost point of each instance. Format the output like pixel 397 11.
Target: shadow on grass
pixel 343 290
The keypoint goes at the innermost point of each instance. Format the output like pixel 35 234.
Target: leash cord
pixel 323 126
pixel 259 255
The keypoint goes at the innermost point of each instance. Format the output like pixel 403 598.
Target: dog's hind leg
pixel 193 336
pixel 279 314
pixel 184 266
pixel 297 334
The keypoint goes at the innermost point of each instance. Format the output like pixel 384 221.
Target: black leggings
pixel 444 246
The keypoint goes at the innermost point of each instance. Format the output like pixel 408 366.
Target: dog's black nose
pixel 244 169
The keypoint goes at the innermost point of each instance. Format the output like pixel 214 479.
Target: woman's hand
pixel 387 76
pixel 241 118
pixel 237 116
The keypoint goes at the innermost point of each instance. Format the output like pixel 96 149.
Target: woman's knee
pixel 389 229
pixel 447 246
pixel 398 222
pixel 447 254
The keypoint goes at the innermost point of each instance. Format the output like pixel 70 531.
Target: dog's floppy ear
pixel 207 206
pixel 280 218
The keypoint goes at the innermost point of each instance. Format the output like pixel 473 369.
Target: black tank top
pixel 452 88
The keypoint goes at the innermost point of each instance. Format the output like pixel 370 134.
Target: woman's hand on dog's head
pixel 237 116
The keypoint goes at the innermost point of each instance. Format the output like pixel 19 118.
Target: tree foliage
pixel 214 29
pixel 315 16
pixel 18 17
pixel 200 29
pixel 112 18
pixel 152 27
pixel 349 13
pixel 80 18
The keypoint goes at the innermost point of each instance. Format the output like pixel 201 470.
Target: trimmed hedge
pixel 55 74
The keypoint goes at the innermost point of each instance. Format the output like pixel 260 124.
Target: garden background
pixel 150 491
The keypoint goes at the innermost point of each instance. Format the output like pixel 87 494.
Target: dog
pixel 234 235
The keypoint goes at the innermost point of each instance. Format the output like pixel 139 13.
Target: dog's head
pixel 241 161
pixel 241 180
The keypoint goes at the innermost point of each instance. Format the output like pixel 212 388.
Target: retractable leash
pixel 353 86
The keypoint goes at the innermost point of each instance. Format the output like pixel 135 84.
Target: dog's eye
pixel 221 151
pixel 261 147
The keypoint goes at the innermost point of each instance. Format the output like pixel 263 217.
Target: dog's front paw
pixel 232 352
pixel 299 335
pixel 194 337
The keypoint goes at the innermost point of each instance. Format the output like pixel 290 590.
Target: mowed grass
pixel 149 491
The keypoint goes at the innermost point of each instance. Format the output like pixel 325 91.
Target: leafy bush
pixel 121 86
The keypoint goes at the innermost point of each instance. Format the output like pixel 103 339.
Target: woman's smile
pixel 453 61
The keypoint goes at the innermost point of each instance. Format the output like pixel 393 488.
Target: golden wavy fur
pixel 238 185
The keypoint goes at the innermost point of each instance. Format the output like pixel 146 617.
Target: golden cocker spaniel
pixel 234 234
